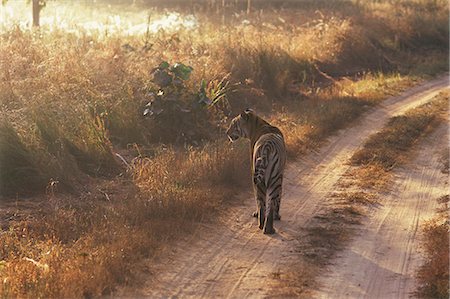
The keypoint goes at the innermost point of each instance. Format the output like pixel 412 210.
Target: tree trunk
pixel 249 6
pixel 36 11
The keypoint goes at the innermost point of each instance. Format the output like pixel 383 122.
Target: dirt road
pixel 382 261
pixel 234 259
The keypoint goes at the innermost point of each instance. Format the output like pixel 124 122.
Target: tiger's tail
pixel 259 172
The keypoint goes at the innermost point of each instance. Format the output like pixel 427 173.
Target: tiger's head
pixel 239 125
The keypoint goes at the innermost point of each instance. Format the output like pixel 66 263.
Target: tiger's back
pixel 270 146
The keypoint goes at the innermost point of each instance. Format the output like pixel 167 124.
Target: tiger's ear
pixel 246 113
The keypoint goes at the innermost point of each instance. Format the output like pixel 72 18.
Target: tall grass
pixel 85 246
pixel 16 162
pixel 72 97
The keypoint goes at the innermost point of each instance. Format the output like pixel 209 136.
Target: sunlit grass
pixel 85 17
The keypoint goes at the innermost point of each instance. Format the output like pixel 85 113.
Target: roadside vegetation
pixel 390 147
pixel 120 138
pixel 433 275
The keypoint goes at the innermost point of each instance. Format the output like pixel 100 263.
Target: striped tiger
pixel 268 153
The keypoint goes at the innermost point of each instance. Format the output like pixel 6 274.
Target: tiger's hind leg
pixel 276 212
pixel 273 206
pixel 260 196
pixel 268 225
pixel 261 204
pixel 260 165
pixel 270 212
pixel 261 213
pixel 277 201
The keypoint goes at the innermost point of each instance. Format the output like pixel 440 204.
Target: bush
pixel 19 173
pixel 434 273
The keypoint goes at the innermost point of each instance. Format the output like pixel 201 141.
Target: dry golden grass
pixel 433 275
pixel 356 197
pixel 70 100
pixel 391 146
pixel 445 161
pixel 71 96
pixel 309 122
pixel 84 246
pixel 373 176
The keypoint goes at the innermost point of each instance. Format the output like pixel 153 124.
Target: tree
pixel 37 6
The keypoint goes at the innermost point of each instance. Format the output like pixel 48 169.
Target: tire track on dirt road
pixel 234 259
pixel 383 260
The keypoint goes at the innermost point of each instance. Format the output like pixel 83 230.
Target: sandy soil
pixel 234 259
pixel 382 261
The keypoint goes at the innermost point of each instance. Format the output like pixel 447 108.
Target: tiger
pixel 268 156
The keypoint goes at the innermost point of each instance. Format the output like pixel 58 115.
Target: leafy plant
pixel 174 109
pixel 170 81
pixel 166 75
pixel 214 91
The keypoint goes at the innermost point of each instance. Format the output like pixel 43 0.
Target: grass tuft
pixel 433 275
pixel 19 174
pixel 390 146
